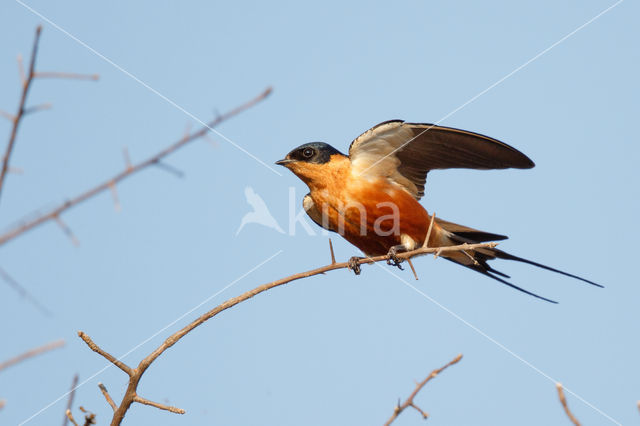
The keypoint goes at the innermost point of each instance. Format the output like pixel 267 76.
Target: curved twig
pixel 135 374
pixel 409 401
pixel 563 401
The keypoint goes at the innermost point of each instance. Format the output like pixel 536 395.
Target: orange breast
pixel 372 215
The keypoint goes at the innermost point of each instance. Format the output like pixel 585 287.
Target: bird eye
pixel 308 152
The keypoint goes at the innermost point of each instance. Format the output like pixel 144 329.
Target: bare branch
pixel 72 393
pixel 136 374
pixel 27 79
pixel 22 291
pixel 105 392
pixel 121 365
pixel 144 401
pixel 67 75
pixel 153 160
pixel 2 403
pixel 31 353
pixel 409 402
pixel 563 401
pixel 89 418
pixel 70 417
pixel 21 106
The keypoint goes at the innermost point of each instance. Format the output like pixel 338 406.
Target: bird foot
pixel 354 264
pixel 393 259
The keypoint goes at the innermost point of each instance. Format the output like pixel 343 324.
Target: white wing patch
pixel 376 158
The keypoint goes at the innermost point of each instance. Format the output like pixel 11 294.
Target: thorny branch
pixel 31 353
pixel 27 80
pixel 72 393
pixel 130 169
pixel 105 392
pixel 409 401
pixel 135 374
pixel 89 418
pixel 563 401
pixel 26 85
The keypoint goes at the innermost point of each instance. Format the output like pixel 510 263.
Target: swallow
pixel 371 196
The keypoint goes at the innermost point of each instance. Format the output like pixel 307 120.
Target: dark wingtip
pixel 526 162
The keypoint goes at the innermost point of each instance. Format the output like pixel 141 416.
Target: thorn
pixel 187 130
pixel 473 259
pixel 426 240
pixel 23 76
pixel 413 269
pixel 333 257
pixel 37 108
pixel 114 194
pixel 67 231
pixel 170 169
pixel 210 140
pixel 8 116
pixel 127 159
pixel 67 75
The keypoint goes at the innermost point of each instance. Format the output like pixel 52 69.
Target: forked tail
pixel 478 259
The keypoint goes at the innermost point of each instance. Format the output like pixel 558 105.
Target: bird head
pixel 309 161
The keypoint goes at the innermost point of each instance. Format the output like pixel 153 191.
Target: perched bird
pixel 370 196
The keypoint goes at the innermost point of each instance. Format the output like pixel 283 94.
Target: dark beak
pixel 284 162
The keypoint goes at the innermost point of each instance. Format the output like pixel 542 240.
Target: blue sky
pixel 332 349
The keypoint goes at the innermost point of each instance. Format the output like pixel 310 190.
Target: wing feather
pixel 406 152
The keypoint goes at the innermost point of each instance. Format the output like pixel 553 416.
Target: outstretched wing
pixel 405 152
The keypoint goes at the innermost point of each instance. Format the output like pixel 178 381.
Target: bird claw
pixel 354 264
pixel 393 259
